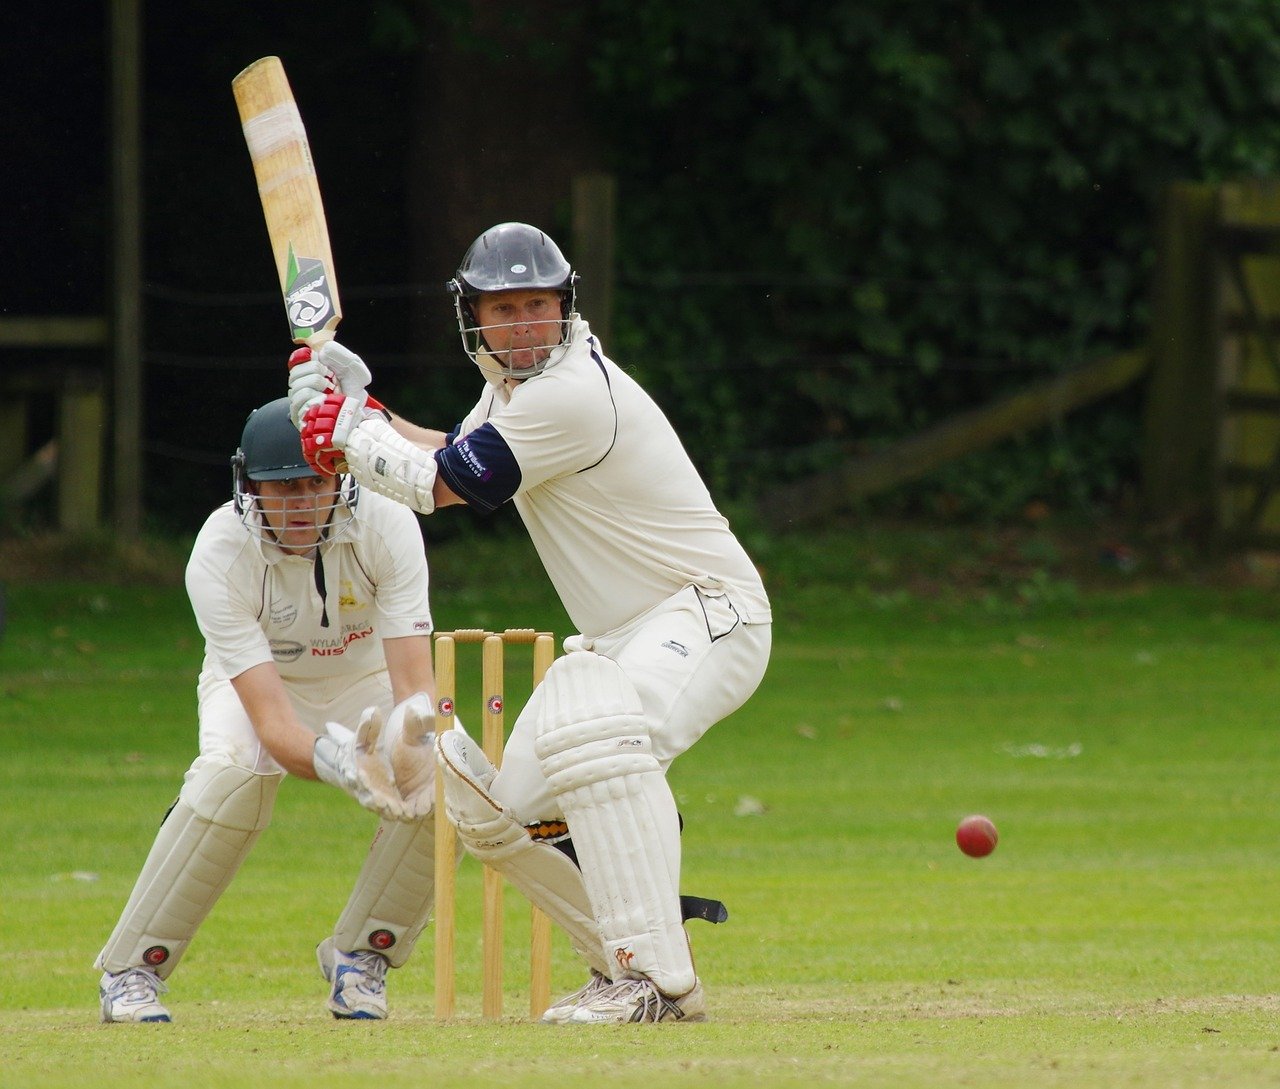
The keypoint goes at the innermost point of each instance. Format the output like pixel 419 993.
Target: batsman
pixel 673 621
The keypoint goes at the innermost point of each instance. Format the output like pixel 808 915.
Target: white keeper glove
pixel 330 369
pixel 352 761
pixel 409 741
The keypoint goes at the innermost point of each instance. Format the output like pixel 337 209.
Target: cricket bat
pixel 291 202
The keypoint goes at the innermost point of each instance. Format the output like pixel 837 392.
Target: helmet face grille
pixel 271 449
pixel 335 510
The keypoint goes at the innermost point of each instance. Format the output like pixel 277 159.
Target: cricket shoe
pixel 638 1001
pixel 359 979
pixel 560 1012
pixel 132 995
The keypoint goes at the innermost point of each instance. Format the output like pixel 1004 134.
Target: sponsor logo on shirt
pixel 332 647
pixel 679 648
pixel 347 596
pixel 283 613
pixel 283 650
pixel 473 463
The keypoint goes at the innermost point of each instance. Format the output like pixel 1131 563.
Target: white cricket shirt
pixel 256 604
pixel 616 510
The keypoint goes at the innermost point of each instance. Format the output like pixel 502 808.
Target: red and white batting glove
pixel 309 383
pixel 327 426
pixel 315 375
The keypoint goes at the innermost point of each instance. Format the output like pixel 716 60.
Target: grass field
pixel 1119 728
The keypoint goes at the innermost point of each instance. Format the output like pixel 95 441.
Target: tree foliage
pixel 842 221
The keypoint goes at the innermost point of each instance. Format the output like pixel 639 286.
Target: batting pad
pixel 546 876
pixel 391 903
pixel 220 812
pixel 384 461
pixel 594 748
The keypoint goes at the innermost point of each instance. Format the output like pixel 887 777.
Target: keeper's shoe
pixel 359 979
pixel 559 1012
pixel 132 995
pixel 636 1001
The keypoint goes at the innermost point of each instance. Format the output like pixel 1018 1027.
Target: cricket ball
pixel 977 836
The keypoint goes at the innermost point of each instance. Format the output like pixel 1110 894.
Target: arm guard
pixel 385 462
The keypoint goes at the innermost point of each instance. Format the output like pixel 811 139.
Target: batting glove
pixel 326 427
pixel 309 383
pixel 332 369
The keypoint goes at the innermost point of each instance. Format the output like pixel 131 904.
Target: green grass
pixel 1119 730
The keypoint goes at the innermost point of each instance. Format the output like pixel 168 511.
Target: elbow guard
pixel 381 459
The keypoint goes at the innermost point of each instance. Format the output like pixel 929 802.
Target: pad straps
pixel 691 907
pixel 698 907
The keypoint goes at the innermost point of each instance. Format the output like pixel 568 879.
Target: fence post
pixel 125 345
pixel 594 199
pixel 80 441
pixel 1178 426
pixel 13 429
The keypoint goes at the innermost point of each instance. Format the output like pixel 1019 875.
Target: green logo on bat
pixel 308 299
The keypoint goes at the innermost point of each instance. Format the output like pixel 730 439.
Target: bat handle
pixel 316 340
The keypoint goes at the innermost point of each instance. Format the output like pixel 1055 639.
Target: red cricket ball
pixel 977 836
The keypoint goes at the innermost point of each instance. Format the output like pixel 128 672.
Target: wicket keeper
pixel 312 596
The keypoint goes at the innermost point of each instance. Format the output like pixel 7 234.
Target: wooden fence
pixel 73 458
pixel 1211 429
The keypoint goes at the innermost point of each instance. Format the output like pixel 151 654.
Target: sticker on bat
pixel 307 299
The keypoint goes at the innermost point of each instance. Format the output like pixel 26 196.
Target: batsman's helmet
pixel 271 449
pixel 509 257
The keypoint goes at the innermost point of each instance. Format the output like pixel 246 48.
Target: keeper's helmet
pixel 271 449
pixel 510 257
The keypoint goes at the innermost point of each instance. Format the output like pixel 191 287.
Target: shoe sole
pixel 154 1019
pixel 691 1019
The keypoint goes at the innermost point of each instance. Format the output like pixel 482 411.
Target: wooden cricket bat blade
pixel 291 204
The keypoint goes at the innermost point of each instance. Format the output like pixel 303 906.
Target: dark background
pixel 837 223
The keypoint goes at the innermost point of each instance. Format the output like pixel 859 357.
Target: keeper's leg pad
pixel 220 812
pixel 392 899
pixel 546 876
pixel 594 748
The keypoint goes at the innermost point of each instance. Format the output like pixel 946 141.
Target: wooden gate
pixel 1211 428
pixel 1211 452
pixel 1246 294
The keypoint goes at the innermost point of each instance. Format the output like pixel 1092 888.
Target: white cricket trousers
pixel 692 661
pixel 227 736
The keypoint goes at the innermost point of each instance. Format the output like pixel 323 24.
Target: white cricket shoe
pixel 359 979
pixel 132 995
pixel 635 1001
pixel 559 1012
